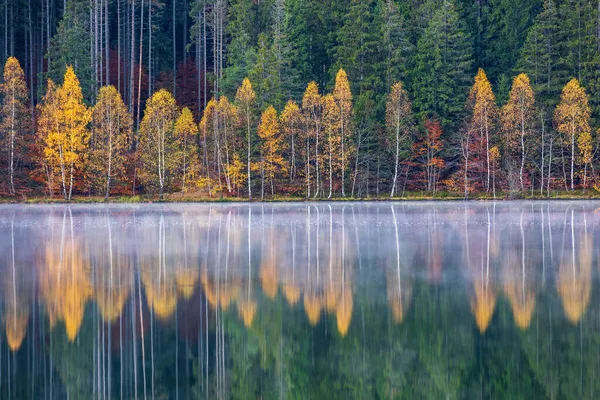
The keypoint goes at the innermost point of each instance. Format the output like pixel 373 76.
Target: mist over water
pixel 307 300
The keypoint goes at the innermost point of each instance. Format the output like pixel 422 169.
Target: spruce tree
pixel 443 68
pixel 396 42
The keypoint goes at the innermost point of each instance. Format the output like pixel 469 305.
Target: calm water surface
pixel 300 301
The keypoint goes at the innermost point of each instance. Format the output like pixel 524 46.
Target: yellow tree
pixel 269 132
pixel 48 125
pixel 14 116
pixel 343 98
pixel 399 123
pixel 312 109
pixel 291 121
pixel 111 134
pixel 484 114
pixel 157 141
pixel 66 143
pixel 332 128
pixel 226 125
pixel 245 98
pixel 585 152
pixel 186 131
pixel 572 117
pixel 206 130
pixel 518 119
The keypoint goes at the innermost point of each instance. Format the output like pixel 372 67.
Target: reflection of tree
pixel 574 277
pixel 269 264
pixel 64 278
pixel 16 307
pixel 518 281
pixel 399 289
pixel 477 256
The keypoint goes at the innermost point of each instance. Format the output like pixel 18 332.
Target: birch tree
pixel 157 141
pixel 245 98
pixel 399 123
pixel 112 128
pixel 14 118
pixel 572 118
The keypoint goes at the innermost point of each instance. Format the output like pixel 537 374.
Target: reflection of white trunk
pixel 397 252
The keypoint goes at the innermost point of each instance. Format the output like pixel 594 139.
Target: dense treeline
pixel 212 98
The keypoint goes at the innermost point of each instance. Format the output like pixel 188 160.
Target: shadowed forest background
pixel 302 98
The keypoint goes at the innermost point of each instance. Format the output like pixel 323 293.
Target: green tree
pixel 442 74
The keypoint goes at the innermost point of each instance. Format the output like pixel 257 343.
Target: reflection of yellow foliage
pixel 16 319
pixel 112 289
pixel 312 307
pixel 399 295
pixel 221 293
pixel 483 305
pixel 574 283
pixel 522 301
pixel 247 311
pixel 332 292
pixel 65 285
pixel 186 281
pixel 161 297
pixel 343 312
pixel 268 276
pixel 291 293
pixel 111 302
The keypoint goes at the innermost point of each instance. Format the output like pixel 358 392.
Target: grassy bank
pixel 408 196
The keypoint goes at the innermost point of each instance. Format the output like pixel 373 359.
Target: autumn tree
pixel 482 104
pixel 14 118
pixel 269 132
pixel 158 145
pixel 343 99
pixel 332 131
pixel 584 143
pixel 245 98
pixel 67 138
pixel 291 123
pixel 312 110
pixel 186 131
pixel 518 120
pixel 428 153
pixel 226 135
pixel 48 126
pixel 111 135
pixel 572 116
pixel 399 124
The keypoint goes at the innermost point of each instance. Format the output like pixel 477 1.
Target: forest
pixel 263 99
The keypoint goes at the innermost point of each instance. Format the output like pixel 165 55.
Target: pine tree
pixel 443 64
pixel 66 48
pixel 240 52
pixel 398 48
pixel 358 52
pixel 541 56
pixel 112 133
pixel 14 120
pixel 158 146
pixel 572 117
pixel 518 122
pixel 264 75
pixel 186 131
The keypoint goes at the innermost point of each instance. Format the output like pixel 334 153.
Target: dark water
pixel 300 301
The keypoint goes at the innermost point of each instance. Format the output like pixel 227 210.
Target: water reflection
pixel 372 300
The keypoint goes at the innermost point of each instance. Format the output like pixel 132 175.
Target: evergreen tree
pixel 443 65
pixel 66 48
pixel 265 76
pixel 358 53
pixel 396 43
pixel 541 56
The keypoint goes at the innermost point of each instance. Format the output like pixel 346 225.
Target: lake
pixel 300 300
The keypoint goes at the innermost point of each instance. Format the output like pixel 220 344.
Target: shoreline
pixel 175 199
